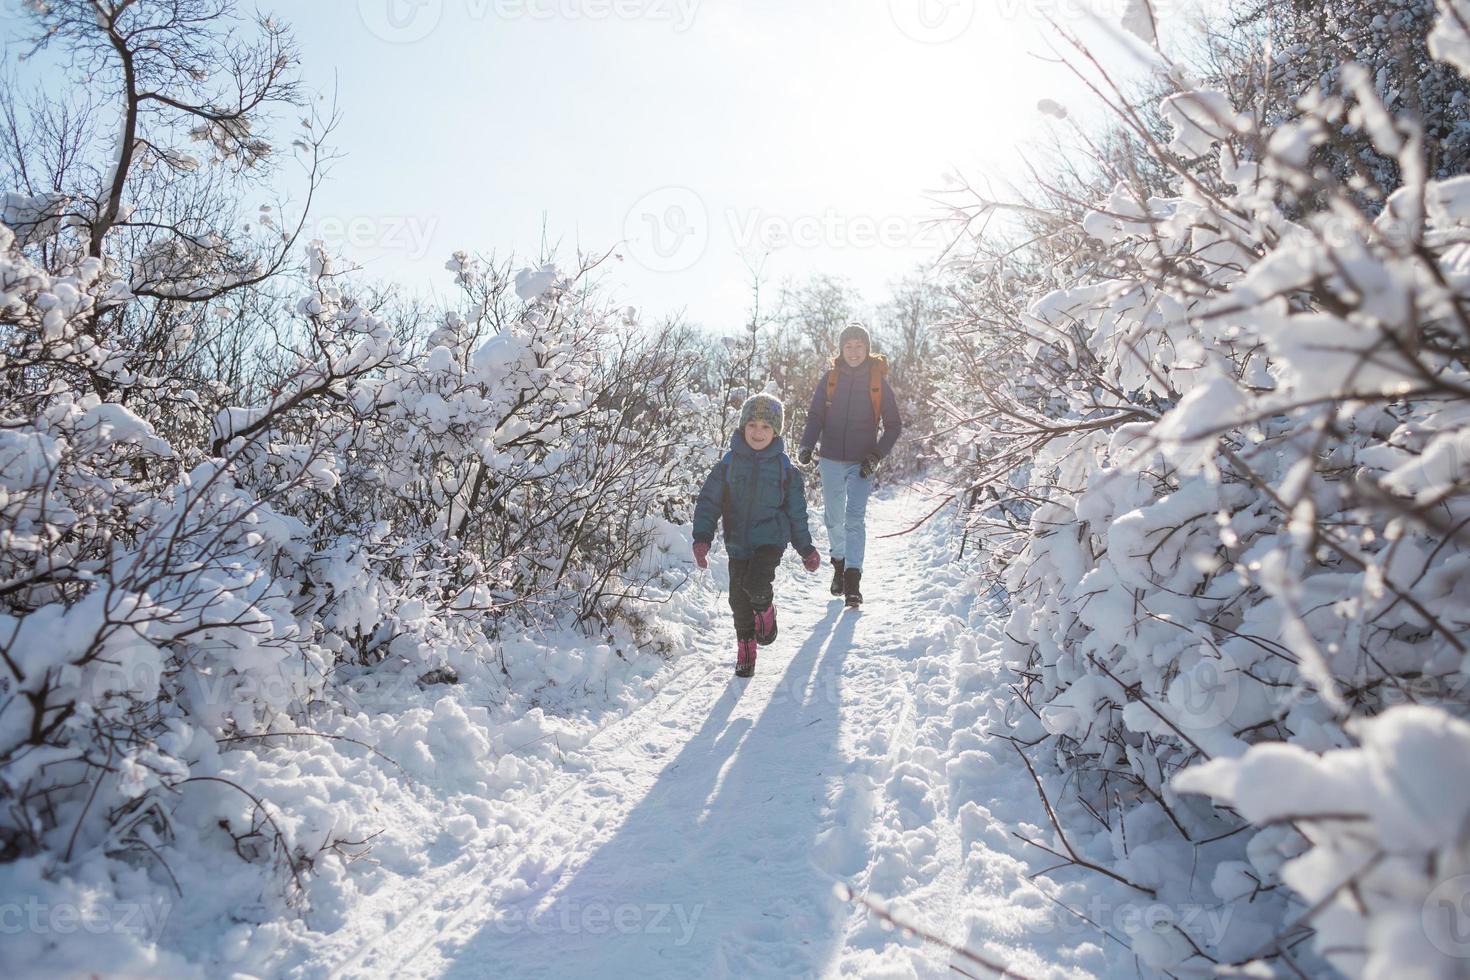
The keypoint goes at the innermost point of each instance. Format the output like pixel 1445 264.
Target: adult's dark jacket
pixel 846 431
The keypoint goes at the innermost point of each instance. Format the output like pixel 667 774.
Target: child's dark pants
pixel 750 586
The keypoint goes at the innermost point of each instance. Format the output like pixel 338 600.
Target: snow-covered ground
pixel 638 815
pixel 708 831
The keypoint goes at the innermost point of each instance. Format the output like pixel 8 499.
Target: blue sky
pixel 693 137
pixel 703 133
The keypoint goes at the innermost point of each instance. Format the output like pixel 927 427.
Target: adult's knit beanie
pixel 855 331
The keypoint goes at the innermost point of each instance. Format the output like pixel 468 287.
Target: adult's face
pixel 854 352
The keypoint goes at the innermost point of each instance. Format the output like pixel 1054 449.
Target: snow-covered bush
pixel 1243 563
pixel 357 507
pixel 1309 43
pixel 383 504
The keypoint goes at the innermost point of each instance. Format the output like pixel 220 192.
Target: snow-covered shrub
pixel 379 520
pixel 382 502
pixel 197 565
pixel 1309 43
pixel 1243 570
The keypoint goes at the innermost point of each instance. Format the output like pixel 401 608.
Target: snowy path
pixel 704 832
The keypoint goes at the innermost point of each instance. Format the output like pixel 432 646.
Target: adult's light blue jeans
pixel 845 509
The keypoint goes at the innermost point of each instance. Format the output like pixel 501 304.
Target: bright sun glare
pixel 698 140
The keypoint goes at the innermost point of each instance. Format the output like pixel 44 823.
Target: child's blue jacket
pixel 760 498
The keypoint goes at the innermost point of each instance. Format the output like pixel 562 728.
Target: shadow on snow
pixel 711 874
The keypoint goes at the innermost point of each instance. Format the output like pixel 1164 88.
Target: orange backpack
pixel 877 371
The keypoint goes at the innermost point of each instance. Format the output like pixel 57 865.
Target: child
pixel 760 497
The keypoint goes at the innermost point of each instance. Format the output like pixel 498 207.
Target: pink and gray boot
pixel 765 625
pixel 744 658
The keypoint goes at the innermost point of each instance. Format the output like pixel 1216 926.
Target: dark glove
pixel 813 561
pixel 701 554
pixel 804 457
pixel 869 466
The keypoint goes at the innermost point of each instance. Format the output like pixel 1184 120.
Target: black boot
pixel 852 580
pixel 837 565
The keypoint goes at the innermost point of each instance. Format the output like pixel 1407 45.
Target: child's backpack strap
pixel 831 387
pixel 725 470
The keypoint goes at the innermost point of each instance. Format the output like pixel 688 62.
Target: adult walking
pixel 851 403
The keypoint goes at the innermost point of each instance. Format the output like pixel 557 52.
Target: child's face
pixel 855 352
pixel 758 435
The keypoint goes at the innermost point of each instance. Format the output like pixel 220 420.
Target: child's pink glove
pixel 701 554
pixel 813 561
